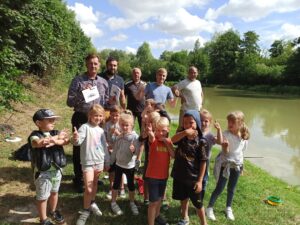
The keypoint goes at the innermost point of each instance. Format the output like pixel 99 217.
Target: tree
pixel 276 48
pixel 249 43
pixel 223 53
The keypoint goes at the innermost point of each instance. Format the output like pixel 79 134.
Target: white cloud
pixel 119 37
pixel 130 50
pixel 285 32
pixel 175 44
pixel 252 10
pixel 88 19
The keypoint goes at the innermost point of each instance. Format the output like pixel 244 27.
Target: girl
pixel 229 162
pixel 94 157
pixel 126 149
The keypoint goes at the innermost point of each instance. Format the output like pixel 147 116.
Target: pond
pixel 274 125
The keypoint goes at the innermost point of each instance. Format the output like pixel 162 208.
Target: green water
pixel 274 125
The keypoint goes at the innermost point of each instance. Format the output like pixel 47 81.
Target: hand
pixel 64 133
pixel 132 148
pixel 75 134
pixel 50 142
pixel 110 149
pixel 137 164
pixel 217 125
pixel 198 187
pixel 191 132
pixel 225 146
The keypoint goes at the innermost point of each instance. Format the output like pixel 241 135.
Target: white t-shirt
pixel 192 92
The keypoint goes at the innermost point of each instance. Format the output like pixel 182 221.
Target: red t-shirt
pixel 159 160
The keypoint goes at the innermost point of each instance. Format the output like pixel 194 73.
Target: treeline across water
pixel 42 38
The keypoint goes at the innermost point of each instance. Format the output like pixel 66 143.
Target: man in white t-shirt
pixel 190 92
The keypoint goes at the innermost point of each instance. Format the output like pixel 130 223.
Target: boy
pixel 189 166
pixel 47 160
pixel 160 151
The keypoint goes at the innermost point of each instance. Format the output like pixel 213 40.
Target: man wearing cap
pixel 85 90
pixel 48 158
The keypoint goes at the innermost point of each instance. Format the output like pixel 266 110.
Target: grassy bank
pixel 17 193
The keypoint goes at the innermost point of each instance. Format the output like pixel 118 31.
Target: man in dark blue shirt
pixel 115 83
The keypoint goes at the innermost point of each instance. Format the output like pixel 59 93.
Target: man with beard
pixel 115 83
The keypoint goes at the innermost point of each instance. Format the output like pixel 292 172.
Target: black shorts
pixel 156 189
pixel 183 190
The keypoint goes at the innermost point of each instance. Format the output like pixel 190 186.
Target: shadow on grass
pixel 21 174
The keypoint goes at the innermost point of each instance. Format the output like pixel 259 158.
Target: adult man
pixel 115 83
pixel 84 91
pixel 158 91
pixel 190 92
pixel 132 89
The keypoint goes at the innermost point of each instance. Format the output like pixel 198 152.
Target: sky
pixel 175 25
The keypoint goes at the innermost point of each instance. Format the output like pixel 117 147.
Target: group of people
pixel 104 139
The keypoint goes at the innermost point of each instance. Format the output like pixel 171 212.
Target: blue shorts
pixel 156 188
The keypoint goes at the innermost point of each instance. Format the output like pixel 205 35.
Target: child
pixel 161 149
pixel 149 119
pixel 126 149
pixel 229 162
pixel 112 131
pixel 189 166
pixel 47 160
pixel 206 119
pixel 94 157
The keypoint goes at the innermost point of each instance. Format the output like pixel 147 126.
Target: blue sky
pixel 174 25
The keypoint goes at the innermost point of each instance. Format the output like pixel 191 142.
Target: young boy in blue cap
pixel 48 158
pixel 189 166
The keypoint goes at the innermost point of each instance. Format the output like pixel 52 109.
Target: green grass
pixel 16 189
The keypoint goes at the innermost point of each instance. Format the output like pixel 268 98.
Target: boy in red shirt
pixel 161 149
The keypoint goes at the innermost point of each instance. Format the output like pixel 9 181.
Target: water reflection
pixel 274 126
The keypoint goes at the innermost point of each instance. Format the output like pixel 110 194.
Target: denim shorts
pixel 47 182
pixel 156 188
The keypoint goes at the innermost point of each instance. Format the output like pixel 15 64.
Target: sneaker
pixel 183 222
pixel 160 220
pixel 134 209
pixel 83 217
pixel 57 217
pixel 108 195
pixel 229 213
pixel 122 194
pixel 46 222
pixel 210 214
pixel 95 209
pixel 116 209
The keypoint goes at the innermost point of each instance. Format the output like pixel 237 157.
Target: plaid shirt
pixel 75 96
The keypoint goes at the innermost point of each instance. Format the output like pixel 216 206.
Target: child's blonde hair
pixel 239 117
pixel 127 116
pixel 205 113
pixel 96 108
pixel 163 122
pixel 154 117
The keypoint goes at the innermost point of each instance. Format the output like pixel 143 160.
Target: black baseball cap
pixel 43 114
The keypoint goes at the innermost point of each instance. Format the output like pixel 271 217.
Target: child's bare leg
pixel 95 184
pixel 88 177
pixel 153 211
pixel 131 196
pixel 201 215
pixel 53 199
pixel 42 209
pixel 111 180
pixel 184 210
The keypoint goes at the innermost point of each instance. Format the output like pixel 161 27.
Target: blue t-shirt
pixel 160 93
